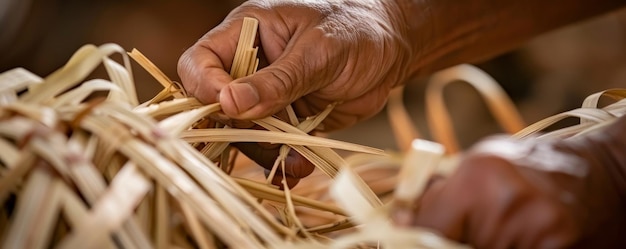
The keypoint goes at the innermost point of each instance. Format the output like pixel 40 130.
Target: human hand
pixel 351 52
pixel 316 54
pixel 533 194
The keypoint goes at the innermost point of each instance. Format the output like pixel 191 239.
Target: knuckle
pixel 285 82
pixel 476 167
pixel 256 4
pixel 494 179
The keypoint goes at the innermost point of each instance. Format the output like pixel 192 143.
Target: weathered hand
pixel 316 53
pixel 534 194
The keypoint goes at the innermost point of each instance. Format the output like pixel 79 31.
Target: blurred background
pixel 550 74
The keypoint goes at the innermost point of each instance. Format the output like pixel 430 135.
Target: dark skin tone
pixel 495 200
pixel 317 54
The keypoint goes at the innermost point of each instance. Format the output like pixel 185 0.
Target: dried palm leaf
pixel 496 99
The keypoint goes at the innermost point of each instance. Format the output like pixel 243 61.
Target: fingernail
pixel 243 95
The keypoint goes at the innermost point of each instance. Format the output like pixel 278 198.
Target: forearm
pixel 444 33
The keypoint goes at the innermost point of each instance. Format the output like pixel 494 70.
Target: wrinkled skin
pixel 530 194
pixel 315 54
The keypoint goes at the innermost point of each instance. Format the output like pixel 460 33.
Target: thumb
pixel 272 88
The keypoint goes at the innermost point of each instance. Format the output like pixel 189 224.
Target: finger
pixel 295 164
pixel 405 216
pixel 440 210
pixel 297 72
pixel 350 112
pixel 203 68
pixel 448 207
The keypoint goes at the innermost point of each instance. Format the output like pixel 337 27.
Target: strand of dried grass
pixel 591 119
pixel 170 88
pixel 17 79
pixel 245 61
pixel 403 129
pixel 80 65
pixel 111 210
pixel 270 193
pixel 204 241
pixel 32 227
pixel 10 153
pixel 497 101
pixel 171 107
pixel 78 212
pixel 419 165
pixel 16 172
pixel 232 135
pixel 161 231
pixel 591 114
pixel 290 214
pixel 592 101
